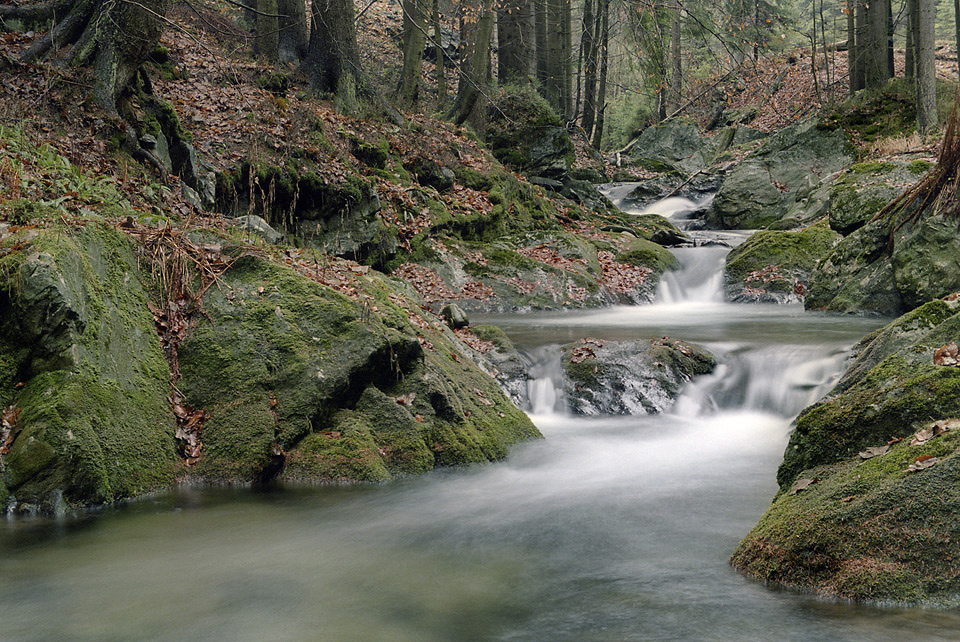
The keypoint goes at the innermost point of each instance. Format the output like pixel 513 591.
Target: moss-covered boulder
pixel 84 369
pixel 630 377
pixel 773 266
pixel 674 145
pixel 525 134
pixel 863 189
pixel 891 387
pixel 303 383
pixel 861 515
pixel 867 531
pixel 784 171
pixel 869 271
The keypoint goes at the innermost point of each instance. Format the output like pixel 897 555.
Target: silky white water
pixel 608 529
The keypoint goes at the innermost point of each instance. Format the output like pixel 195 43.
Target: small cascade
pixel 545 385
pixel 699 279
pixel 780 380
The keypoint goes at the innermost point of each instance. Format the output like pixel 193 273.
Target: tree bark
pixel 475 65
pixel 676 72
pixel 441 56
pixel 604 58
pixel 909 55
pixel 294 31
pixel 926 70
pixel 516 41
pixel 859 67
pixel 267 42
pixel 876 71
pixel 414 38
pixel 540 33
pixel 588 45
pixel 851 45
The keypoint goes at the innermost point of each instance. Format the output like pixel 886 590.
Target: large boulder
pixel 674 144
pixel 630 377
pixel 862 190
pixel 92 423
pixel 774 266
pixel 303 383
pixel 869 271
pixel 867 508
pixel 780 175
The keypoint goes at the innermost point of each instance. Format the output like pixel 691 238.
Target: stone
pixel 454 316
pixel 786 169
pixel 259 226
pixel 630 377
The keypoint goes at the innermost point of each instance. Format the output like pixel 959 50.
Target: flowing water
pixel 609 529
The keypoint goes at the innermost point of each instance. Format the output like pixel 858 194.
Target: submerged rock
pixel 630 377
pixel 861 521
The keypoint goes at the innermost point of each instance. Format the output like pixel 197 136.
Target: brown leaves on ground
pixel 544 254
pixel 946 355
pixel 8 423
pixel 934 430
pixel 189 428
pixel 621 277
pixel 922 463
pixel 586 350
pixel 472 340
pixel 874 451
pixel 425 281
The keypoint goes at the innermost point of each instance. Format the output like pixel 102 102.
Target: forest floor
pixel 218 91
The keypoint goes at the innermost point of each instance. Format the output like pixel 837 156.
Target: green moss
pixel 644 253
pixel 792 254
pixel 866 530
pixel 920 167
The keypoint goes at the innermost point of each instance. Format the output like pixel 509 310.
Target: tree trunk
pixel 602 90
pixel 516 41
pixel 414 38
pixel 909 55
pixel 676 75
pixel 859 67
pixel 294 32
pixel 926 71
pixel 956 23
pixel 540 33
pixel 875 49
pixel 588 45
pixel 441 56
pixel 475 65
pixel 333 60
pixel 891 67
pixel 851 45
pixel 267 43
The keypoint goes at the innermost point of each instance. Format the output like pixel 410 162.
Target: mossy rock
pixel 643 253
pixel 864 189
pixel 95 425
pixel 525 134
pixel 631 377
pixel 302 383
pixel 893 386
pixel 775 265
pixel 867 531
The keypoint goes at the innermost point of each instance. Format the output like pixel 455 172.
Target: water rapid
pixel 609 529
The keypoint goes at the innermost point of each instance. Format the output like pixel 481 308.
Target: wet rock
pixel 844 535
pixel 670 238
pixel 774 266
pixel 258 226
pixel 454 316
pixel 630 377
pixel 862 190
pixel 94 423
pixel 786 169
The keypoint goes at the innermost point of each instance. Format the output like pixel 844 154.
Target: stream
pixel 610 528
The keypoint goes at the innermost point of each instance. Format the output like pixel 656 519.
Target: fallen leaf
pixel 802 484
pixel 406 400
pixel 946 355
pixel 922 463
pixel 874 451
pixel 848 499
